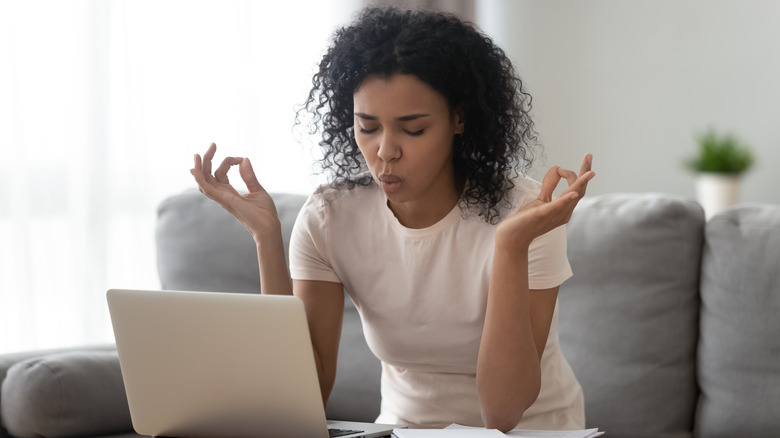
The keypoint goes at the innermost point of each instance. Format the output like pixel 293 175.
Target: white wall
pixel 633 81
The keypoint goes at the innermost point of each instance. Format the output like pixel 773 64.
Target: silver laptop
pixel 204 364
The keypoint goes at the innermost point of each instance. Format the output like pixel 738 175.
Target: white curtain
pixel 102 106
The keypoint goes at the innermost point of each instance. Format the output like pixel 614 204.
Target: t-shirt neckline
pixel 446 222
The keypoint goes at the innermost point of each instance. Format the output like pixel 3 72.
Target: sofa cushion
pixel 78 393
pixel 629 315
pixel 194 234
pixel 739 349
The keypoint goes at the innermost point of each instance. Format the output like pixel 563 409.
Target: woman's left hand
pixel 545 213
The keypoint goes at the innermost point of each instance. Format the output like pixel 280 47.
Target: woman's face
pixel 405 130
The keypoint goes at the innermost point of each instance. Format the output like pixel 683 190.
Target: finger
pixel 203 186
pixel 207 157
pixel 205 181
pixel 581 184
pixel 221 173
pixel 198 164
pixel 570 176
pixel 587 163
pixel 249 177
pixel 549 183
pixel 207 185
pixel 197 170
pixel 564 204
pixel 559 210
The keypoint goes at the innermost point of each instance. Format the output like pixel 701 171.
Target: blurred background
pixel 104 103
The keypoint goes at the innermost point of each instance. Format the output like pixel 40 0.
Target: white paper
pixel 521 433
pixel 448 433
pixel 585 433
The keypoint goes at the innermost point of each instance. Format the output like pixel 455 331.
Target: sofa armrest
pixel 8 360
pixel 64 393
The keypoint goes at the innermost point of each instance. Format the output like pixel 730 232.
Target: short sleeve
pixel 548 265
pixel 309 244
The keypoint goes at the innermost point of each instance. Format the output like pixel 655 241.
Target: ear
pixel 460 120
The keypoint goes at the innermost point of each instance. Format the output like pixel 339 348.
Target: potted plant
pixel 719 164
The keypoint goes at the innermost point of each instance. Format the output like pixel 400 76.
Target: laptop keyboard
pixel 341 432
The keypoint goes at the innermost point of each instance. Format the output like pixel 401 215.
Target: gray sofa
pixel 670 323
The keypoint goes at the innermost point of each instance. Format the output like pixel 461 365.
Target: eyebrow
pixel 400 119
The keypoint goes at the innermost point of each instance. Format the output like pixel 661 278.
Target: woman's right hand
pixel 255 210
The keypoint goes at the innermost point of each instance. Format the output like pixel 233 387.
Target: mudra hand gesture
pixel 545 213
pixel 256 210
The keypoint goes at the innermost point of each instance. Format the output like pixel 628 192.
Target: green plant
pixel 722 153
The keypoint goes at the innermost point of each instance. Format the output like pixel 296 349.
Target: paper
pixel 584 433
pixel 521 433
pixel 448 433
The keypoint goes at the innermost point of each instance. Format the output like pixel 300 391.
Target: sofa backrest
pixel 202 247
pixel 739 348
pixel 629 316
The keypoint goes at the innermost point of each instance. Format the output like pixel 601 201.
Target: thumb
pixel 249 177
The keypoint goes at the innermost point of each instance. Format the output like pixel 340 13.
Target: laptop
pixel 205 364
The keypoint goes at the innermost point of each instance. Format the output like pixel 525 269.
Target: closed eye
pixel 367 131
pixel 415 133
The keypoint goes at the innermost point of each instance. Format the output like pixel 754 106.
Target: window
pixel 103 105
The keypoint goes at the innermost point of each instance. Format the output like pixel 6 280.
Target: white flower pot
pixel 716 192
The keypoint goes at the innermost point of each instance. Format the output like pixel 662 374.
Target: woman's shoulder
pixel 525 189
pixel 525 186
pixel 521 190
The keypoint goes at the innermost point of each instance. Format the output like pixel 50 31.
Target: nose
pixel 389 149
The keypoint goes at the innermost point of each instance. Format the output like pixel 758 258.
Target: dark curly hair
pixel 459 62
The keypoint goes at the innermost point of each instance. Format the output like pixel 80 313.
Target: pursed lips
pixel 390 183
pixel 389 178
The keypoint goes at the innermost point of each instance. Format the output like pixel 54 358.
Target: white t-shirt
pixel 422 295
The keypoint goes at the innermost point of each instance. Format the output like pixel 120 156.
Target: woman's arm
pixel 274 277
pixel 517 320
pixel 324 301
pixel 517 323
pixel 255 210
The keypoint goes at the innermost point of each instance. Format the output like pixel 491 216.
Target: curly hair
pixel 455 59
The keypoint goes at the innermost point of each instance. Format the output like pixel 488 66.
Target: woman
pixel 452 257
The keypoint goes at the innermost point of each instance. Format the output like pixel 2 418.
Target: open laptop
pixel 205 364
